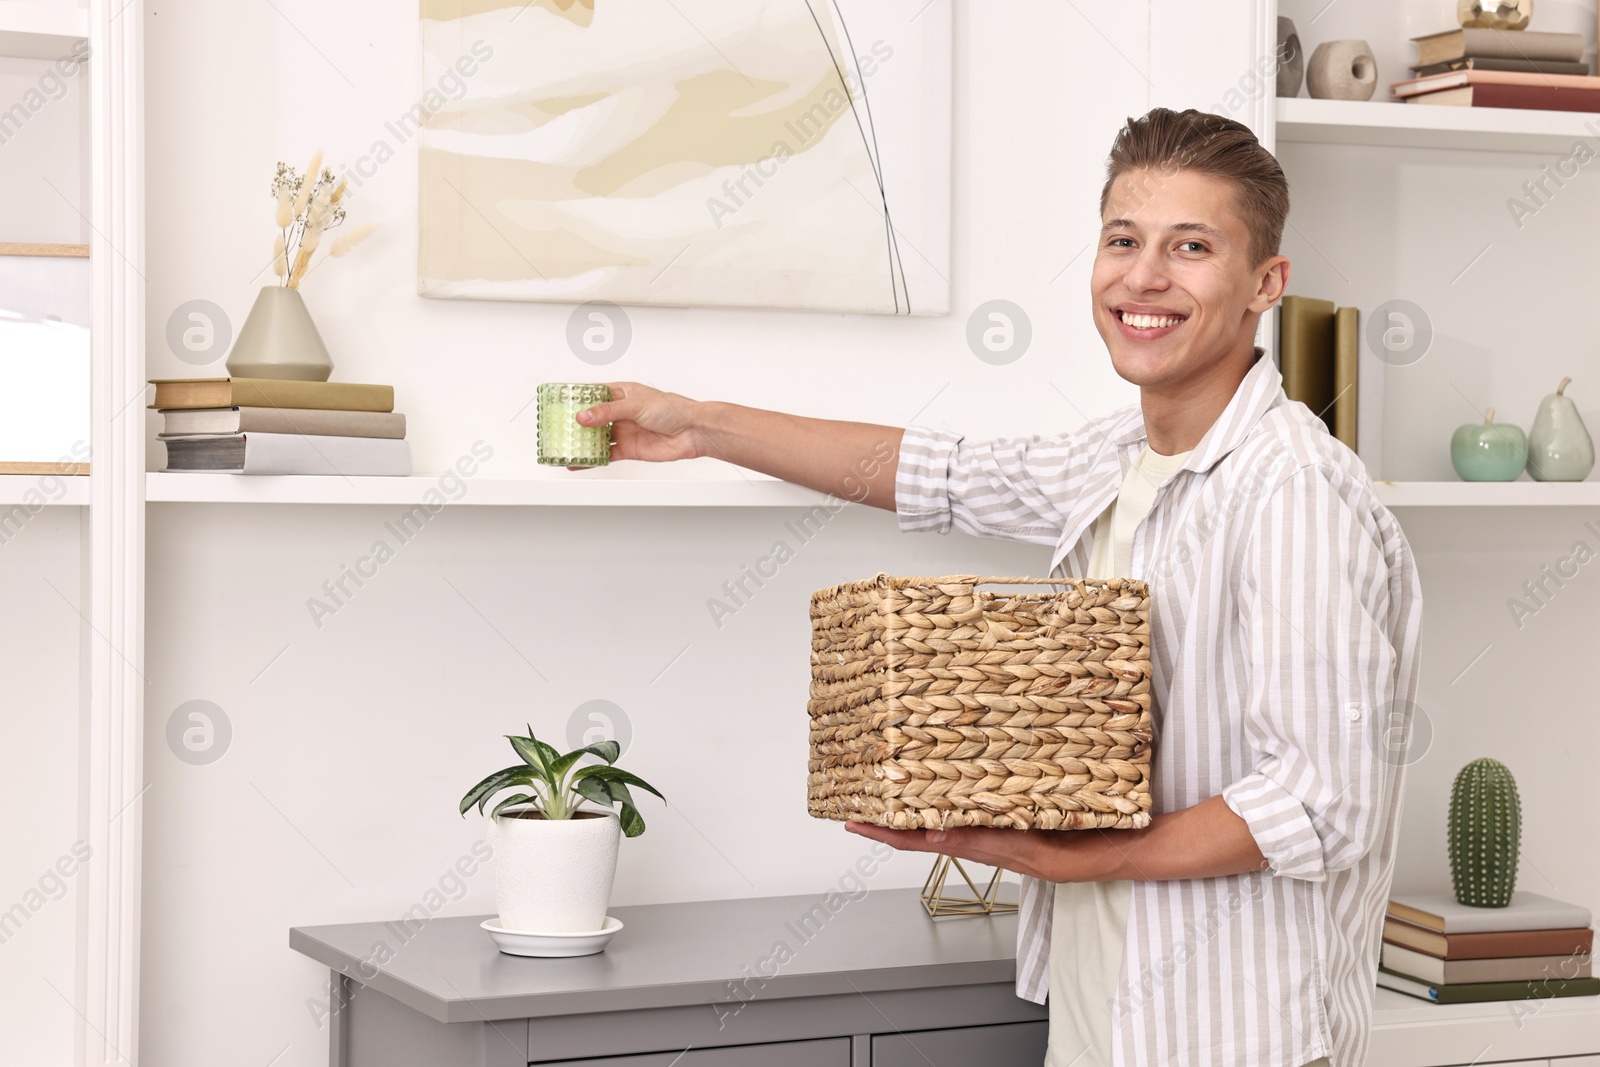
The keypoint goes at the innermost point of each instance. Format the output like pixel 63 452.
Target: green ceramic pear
pixel 1559 446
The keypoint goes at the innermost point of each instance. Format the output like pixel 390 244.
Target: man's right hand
pixel 646 424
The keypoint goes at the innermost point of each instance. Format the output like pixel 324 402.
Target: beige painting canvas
pixel 737 153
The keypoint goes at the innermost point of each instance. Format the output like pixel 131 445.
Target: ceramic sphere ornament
pixel 1342 70
pixel 1495 14
pixel 1291 59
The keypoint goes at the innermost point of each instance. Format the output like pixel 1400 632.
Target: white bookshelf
pixel 172 487
pixel 27 489
pixel 1407 1031
pixel 576 488
pixel 1392 125
pixel 1524 494
pixel 40 31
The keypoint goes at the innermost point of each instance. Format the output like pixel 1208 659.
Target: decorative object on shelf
pixel 1342 70
pixel 1485 834
pixel 1291 58
pixel 674 159
pixel 278 338
pixel 44 361
pixel 1488 451
pixel 985 901
pixel 563 441
pixel 1068 662
pixel 554 860
pixel 1559 446
pixel 1494 14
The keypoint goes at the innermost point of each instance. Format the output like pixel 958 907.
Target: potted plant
pixel 554 859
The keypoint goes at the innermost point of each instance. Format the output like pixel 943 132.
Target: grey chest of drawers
pixel 775 982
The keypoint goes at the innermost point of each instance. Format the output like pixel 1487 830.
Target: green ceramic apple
pixel 1488 451
pixel 1559 447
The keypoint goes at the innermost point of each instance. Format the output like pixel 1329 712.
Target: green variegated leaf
pixel 632 821
pixel 511 801
pixel 593 789
pixel 533 754
pixel 617 774
pixel 494 783
pixel 606 750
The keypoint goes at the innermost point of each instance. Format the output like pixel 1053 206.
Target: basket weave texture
pixel 937 704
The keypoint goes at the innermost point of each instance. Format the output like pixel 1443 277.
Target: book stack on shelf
pixel 1318 348
pixel 1477 67
pixel 1443 951
pixel 279 426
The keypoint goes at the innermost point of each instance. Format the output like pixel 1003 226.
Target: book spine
pixel 1493 44
pixel 1346 357
pixel 1535 97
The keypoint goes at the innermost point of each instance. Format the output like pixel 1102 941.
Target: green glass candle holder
pixel 563 441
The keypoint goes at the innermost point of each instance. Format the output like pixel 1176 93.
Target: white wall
pixel 336 799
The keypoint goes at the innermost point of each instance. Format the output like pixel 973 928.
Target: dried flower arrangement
pixel 308 206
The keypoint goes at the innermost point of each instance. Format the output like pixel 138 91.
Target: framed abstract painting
pixel 725 153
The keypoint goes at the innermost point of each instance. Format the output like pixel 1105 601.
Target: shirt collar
pixel 1260 389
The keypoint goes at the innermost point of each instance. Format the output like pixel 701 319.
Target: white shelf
pixel 1527 494
pixel 580 489
pixel 1408 1031
pixel 40 31
pixel 1386 123
pixel 27 489
pixel 575 489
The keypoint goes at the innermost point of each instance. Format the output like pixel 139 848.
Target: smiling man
pixel 1241 927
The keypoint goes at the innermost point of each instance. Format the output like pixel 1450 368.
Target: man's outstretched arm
pixel 854 460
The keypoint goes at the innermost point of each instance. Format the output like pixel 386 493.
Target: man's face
pixel 1173 282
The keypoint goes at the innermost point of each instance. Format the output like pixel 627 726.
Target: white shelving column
pixel 108 974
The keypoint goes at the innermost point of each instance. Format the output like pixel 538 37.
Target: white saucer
pixel 523 943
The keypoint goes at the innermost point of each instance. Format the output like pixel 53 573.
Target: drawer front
pixel 834 1052
pixel 1005 1045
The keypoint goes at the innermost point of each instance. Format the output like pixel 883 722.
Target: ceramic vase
pixel 279 340
pixel 1291 60
pixel 1495 14
pixel 553 876
pixel 1342 70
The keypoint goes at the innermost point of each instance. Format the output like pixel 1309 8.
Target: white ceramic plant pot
pixel 553 876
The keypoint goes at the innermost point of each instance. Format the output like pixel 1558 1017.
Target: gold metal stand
pixel 985 902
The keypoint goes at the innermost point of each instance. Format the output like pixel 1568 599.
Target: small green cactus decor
pixel 1485 834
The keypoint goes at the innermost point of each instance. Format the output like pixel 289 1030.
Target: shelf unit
pixel 1393 125
pixel 575 489
pixel 40 31
pixel 755 492
pixel 26 489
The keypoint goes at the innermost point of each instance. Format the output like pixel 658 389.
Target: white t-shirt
pixel 1089 923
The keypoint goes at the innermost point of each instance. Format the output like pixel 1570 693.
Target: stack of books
pixel 1439 950
pixel 277 426
pixel 1318 348
pixel 1477 67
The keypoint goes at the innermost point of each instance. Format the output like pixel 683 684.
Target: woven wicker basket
pixel 935 704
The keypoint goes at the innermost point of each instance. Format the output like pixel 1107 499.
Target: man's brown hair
pixel 1165 141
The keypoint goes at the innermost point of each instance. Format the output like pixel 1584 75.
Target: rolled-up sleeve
pixel 1321 681
pixel 1017 489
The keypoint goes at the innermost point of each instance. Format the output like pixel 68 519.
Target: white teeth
pixel 1151 322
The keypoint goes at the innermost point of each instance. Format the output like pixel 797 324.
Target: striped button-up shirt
pixel 1285 624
